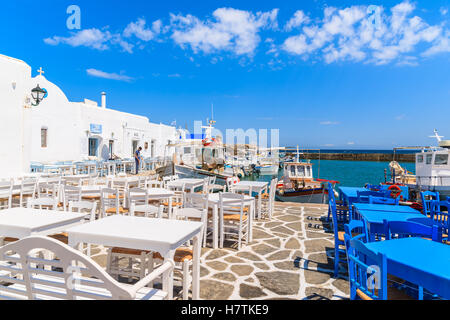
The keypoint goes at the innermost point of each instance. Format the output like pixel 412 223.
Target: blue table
pixel 374 214
pixel 423 262
pixel 348 195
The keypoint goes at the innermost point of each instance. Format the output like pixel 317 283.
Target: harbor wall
pixel 380 157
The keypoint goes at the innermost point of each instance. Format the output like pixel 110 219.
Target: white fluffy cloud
pixel 232 30
pixel 355 34
pixel 93 38
pixel 105 75
pixel 140 30
pixel 297 20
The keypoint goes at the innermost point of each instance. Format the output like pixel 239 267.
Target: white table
pixel 23 222
pixel 257 186
pixel 214 202
pixel 189 184
pixel 158 235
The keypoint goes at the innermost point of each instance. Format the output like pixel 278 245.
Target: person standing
pixel 137 159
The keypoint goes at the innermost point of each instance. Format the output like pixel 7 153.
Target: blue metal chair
pixel 363 196
pixel 368 275
pixel 355 229
pixel 404 229
pixel 427 197
pixel 379 200
pixel 342 211
pixel 338 235
pixel 440 216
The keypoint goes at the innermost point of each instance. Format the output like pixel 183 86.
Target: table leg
pixel 250 221
pixel 167 284
pixel 215 227
pixel 169 208
pixel 196 267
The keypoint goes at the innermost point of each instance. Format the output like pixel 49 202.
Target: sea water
pixel 348 173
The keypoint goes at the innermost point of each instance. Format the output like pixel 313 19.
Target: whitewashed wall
pixel 15 118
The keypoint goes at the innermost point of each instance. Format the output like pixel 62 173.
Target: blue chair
pixel 363 196
pixel 427 197
pixel 368 274
pixel 355 229
pixel 379 200
pixel 440 216
pixel 404 229
pixel 343 210
pixel 338 235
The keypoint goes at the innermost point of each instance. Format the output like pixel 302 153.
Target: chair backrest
pixel 405 229
pixel 88 207
pixel 205 187
pixel 367 271
pixel 196 200
pixel 427 197
pixel 45 203
pixel 363 196
pixel 231 203
pixel 137 196
pixel 439 213
pixel 379 200
pixel 212 180
pixel 6 193
pixel 356 229
pixel 71 193
pixel 29 186
pixel 74 276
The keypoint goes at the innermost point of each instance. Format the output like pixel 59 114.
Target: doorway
pixel 93 147
pixel 134 146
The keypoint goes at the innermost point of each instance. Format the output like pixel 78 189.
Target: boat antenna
pixel 437 136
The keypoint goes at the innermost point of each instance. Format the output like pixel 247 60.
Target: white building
pixel 60 130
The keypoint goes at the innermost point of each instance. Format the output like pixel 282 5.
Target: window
pixel 292 171
pixel 187 150
pixel 43 137
pixel 429 158
pixel 420 158
pixel 441 159
pixel 111 148
pixel 93 144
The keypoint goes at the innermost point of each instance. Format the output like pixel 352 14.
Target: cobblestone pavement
pixel 289 258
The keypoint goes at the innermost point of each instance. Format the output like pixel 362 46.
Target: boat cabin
pixel 432 167
pixel 298 171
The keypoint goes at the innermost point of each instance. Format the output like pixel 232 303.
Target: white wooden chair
pixel 70 193
pixel 233 217
pixel 213 186
pixel 73 276
pixel 110 202
pixel 268 199
pixel 5 194
pixel 121 185
pixel 27 190
pixel 196 208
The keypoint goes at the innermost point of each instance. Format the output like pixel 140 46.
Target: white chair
pixel 268 199
pixel 27 190
pixel 88 207
pixel 139 203
pixel 196 208
pixel 154 183
pixel 70 193
pixel 213 186
pixel 76 276
pixel 233 217
pixel 5 194
pixel 121 185
pixel 110 202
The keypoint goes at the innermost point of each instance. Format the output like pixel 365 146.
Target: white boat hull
pixel 268 170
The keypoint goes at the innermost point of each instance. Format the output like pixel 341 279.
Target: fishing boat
pixel 298 184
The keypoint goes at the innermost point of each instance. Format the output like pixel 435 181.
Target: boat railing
pixel 433 180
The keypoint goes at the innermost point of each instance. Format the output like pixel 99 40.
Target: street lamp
pixel 38 95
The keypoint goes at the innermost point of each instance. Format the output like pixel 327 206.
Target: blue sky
pixel 328 74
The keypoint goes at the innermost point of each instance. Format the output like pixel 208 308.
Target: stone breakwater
pixel 380 157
